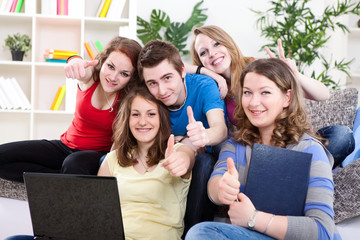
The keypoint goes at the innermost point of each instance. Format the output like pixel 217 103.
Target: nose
pixel 255 100
pixel 113 76
pixel 142 121
pixel 161 89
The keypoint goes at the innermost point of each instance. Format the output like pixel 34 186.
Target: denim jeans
pixel 199 208
pixel 219 230
pixel 341 141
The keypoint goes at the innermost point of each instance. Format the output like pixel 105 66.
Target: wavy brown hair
pixel 292 123
pixel 238 60
pixel 130 48
pixel 124 141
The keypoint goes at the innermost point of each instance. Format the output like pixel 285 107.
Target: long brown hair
pixel 130 48
pixel 124 141
pixel 292 123
pixel 238 60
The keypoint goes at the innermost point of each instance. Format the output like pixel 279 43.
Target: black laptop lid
pixel 64 206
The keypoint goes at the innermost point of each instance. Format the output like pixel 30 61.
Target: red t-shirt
pixel 91 128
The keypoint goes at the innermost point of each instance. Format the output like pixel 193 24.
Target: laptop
pixel 278 179
pixel 67 206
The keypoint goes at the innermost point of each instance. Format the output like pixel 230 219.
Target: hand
pixel 291 63
pixel 175 162
pixel 229 184
pixel 76 69
pixel 196 131
pixel 223 88
pixel 241 211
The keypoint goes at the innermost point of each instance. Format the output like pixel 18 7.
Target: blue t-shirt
pixel 202 94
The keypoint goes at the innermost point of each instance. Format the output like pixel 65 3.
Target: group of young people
pixel 162 123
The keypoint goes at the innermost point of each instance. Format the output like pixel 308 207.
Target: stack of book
pixel 12 96
pixel 12 6
pixel 110 8
pixel 93 48
pixel 62 7
pixel 58 56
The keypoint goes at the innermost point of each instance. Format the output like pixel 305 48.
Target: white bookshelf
pixel 40 80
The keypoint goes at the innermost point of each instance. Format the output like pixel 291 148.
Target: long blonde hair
pixel 238 61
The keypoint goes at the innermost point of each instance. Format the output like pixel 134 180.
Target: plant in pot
pixel 175 32
pixel 304 34
pixel 19 45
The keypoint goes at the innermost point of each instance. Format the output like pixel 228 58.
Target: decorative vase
pixel 17 55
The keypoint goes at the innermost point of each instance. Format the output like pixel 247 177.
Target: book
pixel 55 60
pixel 99 45
pixel 55 98
pixel 57 51
pixel 4 93
pixel 14 97
pixel 19 6
pixel 49 7
pixel 56 56
pixel 66 4
pixel 89 50
pixel 105 9
pixel 25 104
pixel 115 9
pixel 94 49
pixel 277 180
pixel 101 5
pixel 60 98
pixel 6 6
pixel 13 5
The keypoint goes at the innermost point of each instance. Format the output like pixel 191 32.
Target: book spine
pixel 58 9
pixel 98 45
pixel 55 60
pixel 101 5
pixel 105 8
pixel 25 104
pixel 89 51
pixel 19 6
pixel 60 98
pixel 13 5
pixel 55 51
pixel 55 98
pixel 66 7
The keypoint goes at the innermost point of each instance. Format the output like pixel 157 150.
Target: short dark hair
pixel 156 51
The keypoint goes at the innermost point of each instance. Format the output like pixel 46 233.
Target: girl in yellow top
pixel 153 175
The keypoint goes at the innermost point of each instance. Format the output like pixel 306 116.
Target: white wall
pixel 236 18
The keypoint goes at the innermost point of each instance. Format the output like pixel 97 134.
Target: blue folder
pixel 278 179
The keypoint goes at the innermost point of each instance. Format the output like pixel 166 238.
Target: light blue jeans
pixel 219 231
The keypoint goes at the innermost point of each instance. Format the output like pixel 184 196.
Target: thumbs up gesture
pixel 229 184
pixel 79 68
pixel 175 162
pixel 196 131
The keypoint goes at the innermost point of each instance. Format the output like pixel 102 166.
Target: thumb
pixel 231 168
pixel 170 146
pixel 92 63
pixel 190 115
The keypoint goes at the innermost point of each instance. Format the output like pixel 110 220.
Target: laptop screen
pixel 65 206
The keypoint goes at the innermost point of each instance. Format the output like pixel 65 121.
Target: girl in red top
pixel 101 85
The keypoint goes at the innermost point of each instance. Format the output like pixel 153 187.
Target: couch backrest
pixel 339 109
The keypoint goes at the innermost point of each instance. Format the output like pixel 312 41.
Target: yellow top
pixel 153 204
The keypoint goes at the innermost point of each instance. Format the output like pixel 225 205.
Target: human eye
pixel 125 74
pixel 265 92
pixel 202 53
pixel 111 66
pixel 216 44
pixel 246 92
pixel 152 114
pixel 151 84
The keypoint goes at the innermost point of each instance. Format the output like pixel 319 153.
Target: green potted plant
pixel 304 34
pixel 175 32
pixel 19 45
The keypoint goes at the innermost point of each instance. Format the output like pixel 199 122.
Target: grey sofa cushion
pixel 15 190
pixel 339 109
pixel 347 192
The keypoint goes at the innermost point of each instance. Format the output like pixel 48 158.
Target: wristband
pixel 199 69
pixel 271 219
pixel 73 56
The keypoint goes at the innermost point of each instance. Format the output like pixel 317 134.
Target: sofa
pixel 339 109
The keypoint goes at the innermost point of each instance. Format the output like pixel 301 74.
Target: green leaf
pixel 198 17
pixel 159 19
pixel 145 32
pixel 177 34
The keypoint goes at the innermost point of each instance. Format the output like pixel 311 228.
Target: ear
pixel 287 98
pixel 183 72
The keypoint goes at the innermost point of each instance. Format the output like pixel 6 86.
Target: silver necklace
pixel 139 160
pixel 107 100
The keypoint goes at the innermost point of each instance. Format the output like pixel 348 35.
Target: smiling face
pixel 166 84
pixel 263 101
pixel 116 72
pixel 213 55
pixel 144 120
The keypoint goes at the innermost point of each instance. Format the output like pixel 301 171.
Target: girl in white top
pixel 153 175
